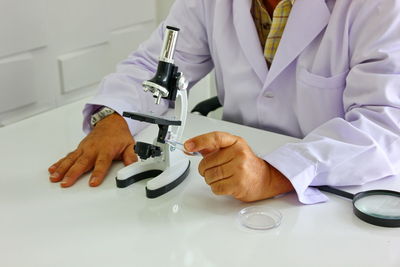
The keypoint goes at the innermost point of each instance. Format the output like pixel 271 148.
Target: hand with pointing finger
pixel 109 140
pixel 230 167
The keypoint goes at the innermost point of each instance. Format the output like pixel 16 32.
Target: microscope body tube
pixel 169 44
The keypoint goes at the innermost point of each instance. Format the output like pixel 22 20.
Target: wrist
pixel 278 183
pixel 112 120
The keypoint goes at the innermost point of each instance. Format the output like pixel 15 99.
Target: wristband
pixel 101 114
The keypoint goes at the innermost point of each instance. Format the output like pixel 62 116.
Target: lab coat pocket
pixel 319 98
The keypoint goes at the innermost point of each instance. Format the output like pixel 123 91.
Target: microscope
pixel 161 160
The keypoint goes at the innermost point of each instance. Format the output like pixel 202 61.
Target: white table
pixel 44 225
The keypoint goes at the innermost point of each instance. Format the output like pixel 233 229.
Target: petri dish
pixel 260 218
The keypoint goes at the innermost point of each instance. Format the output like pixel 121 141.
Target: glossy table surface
pixel 42 224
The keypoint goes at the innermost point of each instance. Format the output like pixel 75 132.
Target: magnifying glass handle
pixel 335 191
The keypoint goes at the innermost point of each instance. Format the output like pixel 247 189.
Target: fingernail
pixel 93 181
pixel 65 182
pixel 190 146
pixel 54 175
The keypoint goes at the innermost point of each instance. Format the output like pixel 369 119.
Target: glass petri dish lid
pixel 260 218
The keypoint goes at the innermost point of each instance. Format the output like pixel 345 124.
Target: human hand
pixel 109 140
pixel 230 167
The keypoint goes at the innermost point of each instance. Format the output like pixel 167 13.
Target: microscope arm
pixel 181 108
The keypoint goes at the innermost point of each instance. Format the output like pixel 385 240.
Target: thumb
pixel 129 156
pixel 210 142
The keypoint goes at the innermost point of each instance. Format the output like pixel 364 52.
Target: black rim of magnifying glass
pixel 379 221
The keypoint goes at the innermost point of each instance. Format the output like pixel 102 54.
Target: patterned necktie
pixel 279 19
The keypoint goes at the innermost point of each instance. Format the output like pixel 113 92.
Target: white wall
pixel 53 52
pixel 56 51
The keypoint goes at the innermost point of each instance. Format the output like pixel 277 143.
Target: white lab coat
pixel 335 81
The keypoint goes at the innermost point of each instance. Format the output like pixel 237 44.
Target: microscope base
pixel 163 181
pixel 154 191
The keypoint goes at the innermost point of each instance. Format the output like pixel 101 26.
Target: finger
pixel 129 156
pixel 210 141
pixel 101 168
pixel 63 166
pixel 82 165
pixel 218 158
pixel 218 173
pixel 223 187
pixel 54 166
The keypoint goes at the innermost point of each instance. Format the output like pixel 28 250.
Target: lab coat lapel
pixel 307 19
pixel 248 37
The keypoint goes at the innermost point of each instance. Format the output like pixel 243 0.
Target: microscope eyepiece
pixel 173 28
pixel 168 48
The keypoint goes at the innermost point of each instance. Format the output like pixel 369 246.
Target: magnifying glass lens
pixel 385 206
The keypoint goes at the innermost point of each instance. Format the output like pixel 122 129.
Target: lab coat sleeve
pixel 364 145
pixel 122 90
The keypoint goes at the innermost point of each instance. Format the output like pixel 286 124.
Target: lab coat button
pixel 269 95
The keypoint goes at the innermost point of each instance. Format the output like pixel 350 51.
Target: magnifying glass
pixel 378 207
